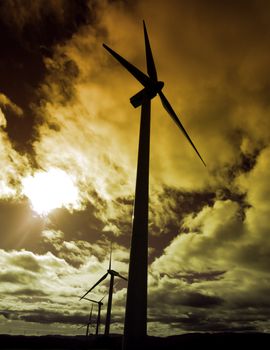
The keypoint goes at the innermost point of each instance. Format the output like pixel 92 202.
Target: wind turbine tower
pixel 135 329
pixel 88 324
pixel 99 303
pixel 89 321
pixel 113 274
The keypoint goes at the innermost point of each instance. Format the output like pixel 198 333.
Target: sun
pixel 48 190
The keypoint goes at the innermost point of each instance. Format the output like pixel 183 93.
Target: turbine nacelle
pixel 160 85
pixel 135 329
pixel 152 86
pixel 112 272
pixel 148 92
pixel 115 273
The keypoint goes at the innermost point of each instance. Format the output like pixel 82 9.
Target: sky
pixel 68 153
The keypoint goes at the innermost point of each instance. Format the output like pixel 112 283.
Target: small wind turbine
pixel 135 328
pixel 113 274
pixel 100 303
pixel 88 323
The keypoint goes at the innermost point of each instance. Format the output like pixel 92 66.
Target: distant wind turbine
pixel 100 303
pixel 135 329
pixel 113 274
pixel 89 322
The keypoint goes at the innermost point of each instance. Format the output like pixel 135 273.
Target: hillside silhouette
pixel 114 342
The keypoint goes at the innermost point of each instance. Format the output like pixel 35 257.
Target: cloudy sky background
pixel 64 109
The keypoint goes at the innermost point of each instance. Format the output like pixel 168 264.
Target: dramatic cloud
pixel 64 108
pixel 223 255
pixel 48 285
pixel 6 103
pixel 84 91
pixel 13 165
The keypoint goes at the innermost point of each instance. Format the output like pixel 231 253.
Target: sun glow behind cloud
pixel 50 190
pixel 209 228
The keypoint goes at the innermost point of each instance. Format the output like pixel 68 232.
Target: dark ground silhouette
pixel 113 342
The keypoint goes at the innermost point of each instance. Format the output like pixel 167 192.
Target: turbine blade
pixel 110 262
pixel 98 282
pixel 173 115
pixel 151 68
pixel 102 298
pixel 139 75
pixel 93 301
pixel 124 278
pixel 90 316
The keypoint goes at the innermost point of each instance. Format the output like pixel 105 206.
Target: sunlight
pixel 50 190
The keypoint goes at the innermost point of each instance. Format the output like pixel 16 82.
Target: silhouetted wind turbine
pixel 135 328
pixel 113 274
pixel 100 303
pixel 89 322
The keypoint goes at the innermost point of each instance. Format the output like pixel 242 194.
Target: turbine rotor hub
pixel 160 85
pixel 154 88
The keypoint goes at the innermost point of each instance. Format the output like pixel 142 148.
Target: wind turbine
pixel 99 303
pixel 88 323
pixel 113 274
pixel 135 329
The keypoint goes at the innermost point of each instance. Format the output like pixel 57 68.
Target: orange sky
pixel 64 107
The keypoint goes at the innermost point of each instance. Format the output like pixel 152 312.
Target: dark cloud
pixel 184 298
pixel 26 262
pixel 44 317
pixel 19 227
pixel 172 205
pixel 79 225
pixel 199 300
pixel 17 277
pixel 208 227
pixel 195 277
pixel 200 322
pixel 53 317
pixel 28 32
pixel 167 211
pixel 34 293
